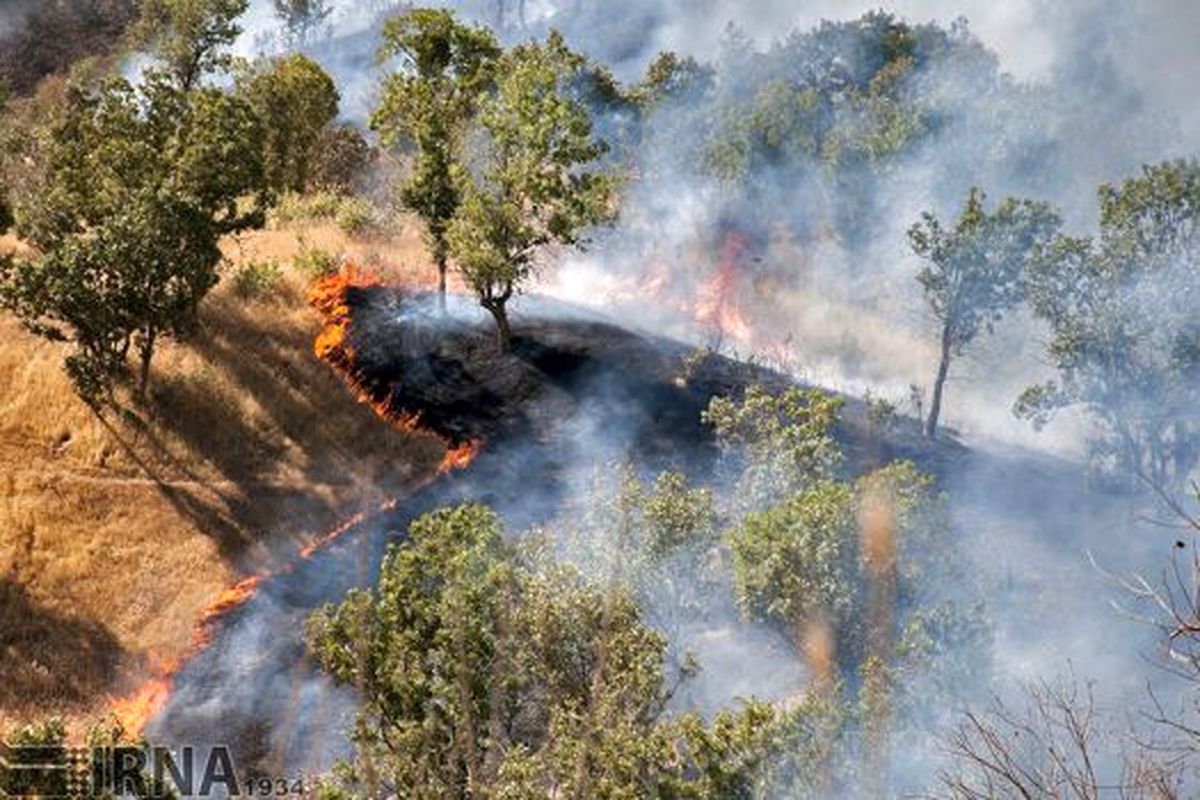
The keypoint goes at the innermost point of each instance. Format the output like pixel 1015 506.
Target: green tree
pixel 297 103
pixel 671 76
pixel 780 443
pixel 135 188
pixel 535 185
pixel 445 67
pixel 486 670
pixel 796 563
pixel 1122 314
pixel 975 272
pixel 300 18
pixel 190 37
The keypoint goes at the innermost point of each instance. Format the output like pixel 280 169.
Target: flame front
pixel 459 457
pixel 332 345
pixel 135 710
pixel 717 301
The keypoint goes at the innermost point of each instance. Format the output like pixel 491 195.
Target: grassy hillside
pixel 115 535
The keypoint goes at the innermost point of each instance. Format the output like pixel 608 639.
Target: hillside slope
pixel 115 535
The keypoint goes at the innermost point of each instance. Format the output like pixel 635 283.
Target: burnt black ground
pixel 576 393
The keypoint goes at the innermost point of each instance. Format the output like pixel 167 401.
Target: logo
pixel 59 772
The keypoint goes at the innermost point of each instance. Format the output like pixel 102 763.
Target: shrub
pixel 258 279
pixel 315 262
pixel 355 215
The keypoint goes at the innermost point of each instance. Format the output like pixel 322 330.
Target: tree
pixel 534 185
pixel 488 671
pixel 975 272
pixel 297 103
pixel 1122 314
pixel 780 442
pixel 300 18
pixel 343 156
pixel 445 68
pixel 135 188
pixel 190 37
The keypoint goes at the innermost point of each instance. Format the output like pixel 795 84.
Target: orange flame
pixel 716 304
pixel 328 295
pixel 333 346
pixel 459 457
pixel 135 710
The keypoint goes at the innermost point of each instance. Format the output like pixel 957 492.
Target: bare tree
pixel 1057 745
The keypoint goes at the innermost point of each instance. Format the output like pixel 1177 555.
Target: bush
pixel 315 262
pixel 297 207
pixel 258 279
pixel 355 216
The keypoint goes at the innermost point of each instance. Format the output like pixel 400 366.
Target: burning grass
pixel 332 345
pixel 120 538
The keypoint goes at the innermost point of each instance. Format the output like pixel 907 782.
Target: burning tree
pixel 428 103
pixel 531 187
pixel 975 271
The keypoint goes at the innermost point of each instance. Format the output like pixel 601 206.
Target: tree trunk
pixel 499 311
pixel 441 265
pixel 939 383
pixel 146 353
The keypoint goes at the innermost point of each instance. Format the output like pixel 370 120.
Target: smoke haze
pixel 1091 90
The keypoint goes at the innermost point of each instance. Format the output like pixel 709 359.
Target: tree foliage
pixel 297 103
pixel 134 189
pixel 190 38
pixel 1122 314
pixel 486 672
pixel 427 104
pixel 974 271
pixel 534 184
pixel 301 18
pixel 779 443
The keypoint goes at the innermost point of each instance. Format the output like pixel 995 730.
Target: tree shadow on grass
pixel 50 663
pixel 283 461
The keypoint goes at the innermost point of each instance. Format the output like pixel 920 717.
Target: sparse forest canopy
pixel 565 662
pixel 831 110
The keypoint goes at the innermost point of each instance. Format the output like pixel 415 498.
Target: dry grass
pixel 114 535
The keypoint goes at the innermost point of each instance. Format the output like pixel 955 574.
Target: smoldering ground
pixel 578 399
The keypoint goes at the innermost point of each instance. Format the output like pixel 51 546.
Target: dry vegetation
pixel 115 534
